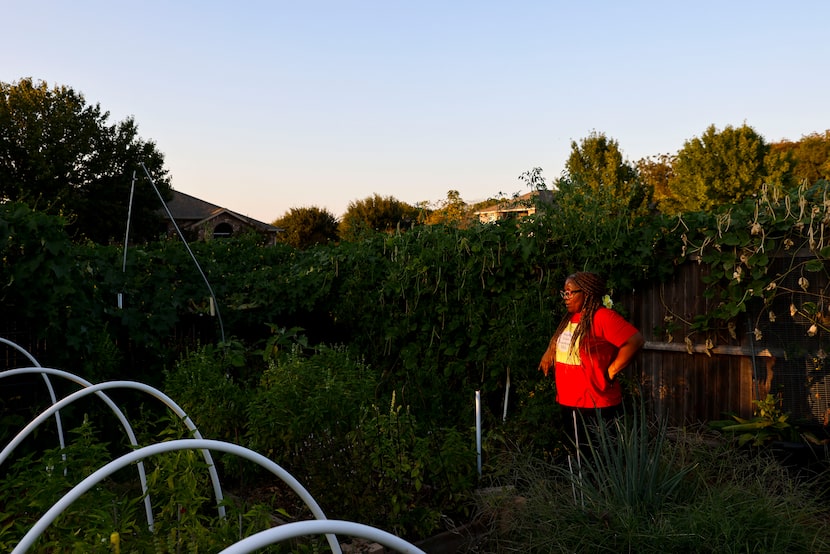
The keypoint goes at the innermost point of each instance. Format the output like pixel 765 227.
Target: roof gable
pixel 192 211
pixel 184 206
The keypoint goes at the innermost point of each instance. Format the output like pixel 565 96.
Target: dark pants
pixel 582 424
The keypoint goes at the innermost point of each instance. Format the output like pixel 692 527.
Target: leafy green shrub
pixel 403 480
pixel 35 482
pixel 304 401
pixel 768 423
pixel 203 384
pixel 315 415
pixel 186 511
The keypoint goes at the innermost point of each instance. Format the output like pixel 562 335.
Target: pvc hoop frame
pixel 170 446
pixel 249 544
pixel 316 527
pixel 35 363
pixel 110 385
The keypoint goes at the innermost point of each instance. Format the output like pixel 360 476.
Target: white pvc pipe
pixel 217 489
pixel 21 350
pixel 478 431
pixel 315 527
pixel 45 371
pixel 48 386
pixel 169 446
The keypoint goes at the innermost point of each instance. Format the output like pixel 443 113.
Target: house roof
pixel 519 203
pixel 192 211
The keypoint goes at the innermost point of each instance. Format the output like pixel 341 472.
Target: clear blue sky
pixel 265 106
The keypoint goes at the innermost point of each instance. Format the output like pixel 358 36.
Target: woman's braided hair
pixel 593 288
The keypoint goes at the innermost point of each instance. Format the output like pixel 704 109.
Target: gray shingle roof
pixel 188 210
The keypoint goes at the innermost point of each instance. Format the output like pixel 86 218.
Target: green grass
pixel 649 489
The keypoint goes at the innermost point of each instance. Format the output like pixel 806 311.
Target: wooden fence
pixel 697 381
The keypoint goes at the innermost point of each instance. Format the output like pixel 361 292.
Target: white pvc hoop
pixel 316 527
pixel 21 350
pixel 45 371
pixel 217 488
pixel 48 385
pixel 181 444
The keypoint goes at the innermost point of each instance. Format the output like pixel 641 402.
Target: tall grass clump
pixel 646 488
pixel 627 466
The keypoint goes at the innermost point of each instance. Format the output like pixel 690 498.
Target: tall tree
pixel 810 156
pixel 597 162
pixel 452 211
pixel 655 172
pixel 61 156
pixel 722 167
pixel 305 227
pixel 376 214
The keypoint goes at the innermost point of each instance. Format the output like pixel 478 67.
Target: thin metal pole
pixel 506 396
pixel 127 239
pixel 189 251
pixel 129 216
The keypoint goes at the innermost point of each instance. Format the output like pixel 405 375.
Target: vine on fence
pixel 739 243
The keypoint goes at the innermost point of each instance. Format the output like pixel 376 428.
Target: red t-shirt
pixel 582 372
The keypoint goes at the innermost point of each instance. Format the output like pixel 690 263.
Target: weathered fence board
pixel 698 381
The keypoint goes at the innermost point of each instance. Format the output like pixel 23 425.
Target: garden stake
pixel 757 387
pixel 478 431
pixel 578 460
pixel 573 481
pixel 506 394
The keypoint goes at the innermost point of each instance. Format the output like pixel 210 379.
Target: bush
pixel 203 384
pixel 316 416
pixel 304 402
pixel 405 480
pixel 36 481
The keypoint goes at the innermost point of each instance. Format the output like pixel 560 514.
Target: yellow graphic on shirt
pixel 565 354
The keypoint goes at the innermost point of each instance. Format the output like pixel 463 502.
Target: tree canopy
pixel 61 156
pixel 597 162
pixel 722 167
pixel 452 211
pixel 376 214
pixel 810 156
pixel 655 172
pixel 308 226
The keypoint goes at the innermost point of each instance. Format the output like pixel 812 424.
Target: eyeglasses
pixel 568 293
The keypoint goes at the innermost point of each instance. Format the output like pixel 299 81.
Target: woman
pixel 589 348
